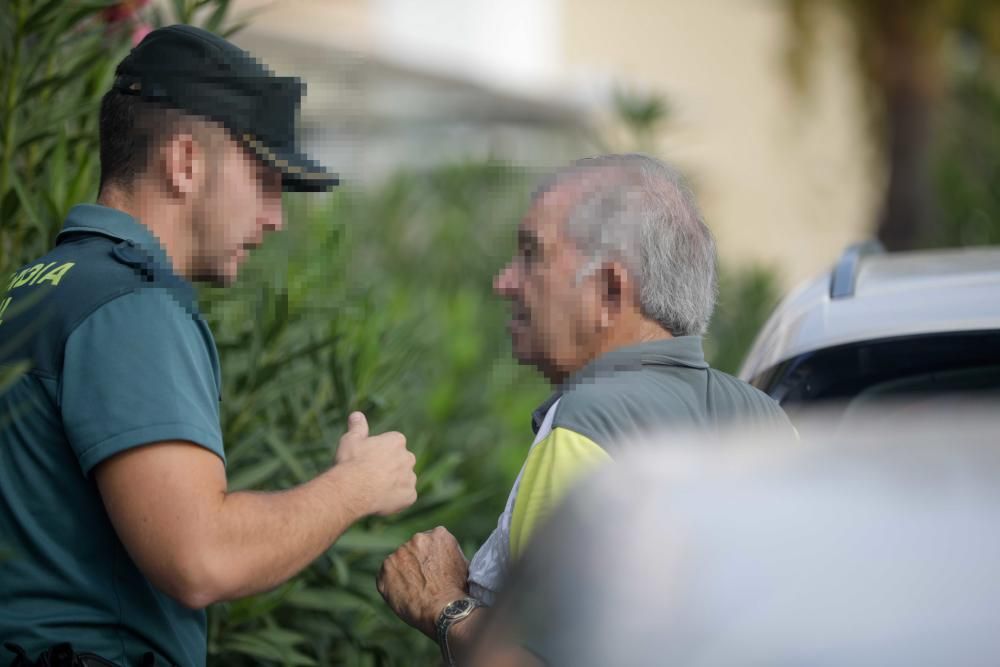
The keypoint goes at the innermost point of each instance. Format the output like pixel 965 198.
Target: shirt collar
pixel 684 351
pixel 538 416
pixel 115 224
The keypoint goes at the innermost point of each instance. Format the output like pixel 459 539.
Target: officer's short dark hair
pixel 130 128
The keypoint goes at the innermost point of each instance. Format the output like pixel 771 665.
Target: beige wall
pixel 786 179
pixel 343 23
pixel 783 178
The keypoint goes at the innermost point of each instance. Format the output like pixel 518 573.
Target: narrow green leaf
pixel 9 205
pixel 180 11
pixel 54 82
pixel 214 22
pixel 254 646
pixel 287 456
pixel 10 373
pixel 44 13
pixel 258 606
pixel 235 28
pixel 358 540
pixel 327 600
pixel 25 200
pixel 253 476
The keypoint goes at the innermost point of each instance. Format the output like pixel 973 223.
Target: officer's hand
pixel 380 466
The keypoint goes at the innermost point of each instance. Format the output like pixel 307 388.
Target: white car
pixel 882 325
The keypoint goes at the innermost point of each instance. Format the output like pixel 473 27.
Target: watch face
pixel 457 608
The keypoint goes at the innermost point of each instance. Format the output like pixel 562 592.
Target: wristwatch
pixel 449 616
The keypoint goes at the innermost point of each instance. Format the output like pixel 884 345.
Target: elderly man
pixel 612 286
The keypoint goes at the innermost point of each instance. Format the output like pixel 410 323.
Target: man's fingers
pixel 357 424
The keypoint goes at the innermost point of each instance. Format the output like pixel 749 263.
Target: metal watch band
pixel 452 613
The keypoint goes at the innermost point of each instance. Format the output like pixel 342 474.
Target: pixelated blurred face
pixel 553 314
pixel 241 201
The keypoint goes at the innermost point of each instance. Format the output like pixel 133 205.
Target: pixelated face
pixel 241 201
pixel 552 312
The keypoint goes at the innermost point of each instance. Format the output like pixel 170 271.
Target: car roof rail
pixel 845 273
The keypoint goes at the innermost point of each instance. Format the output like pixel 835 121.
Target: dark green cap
pixel 196 71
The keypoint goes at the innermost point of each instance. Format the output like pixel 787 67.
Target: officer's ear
pixel 185 163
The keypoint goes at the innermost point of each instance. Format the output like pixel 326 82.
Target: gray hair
pixel 638 210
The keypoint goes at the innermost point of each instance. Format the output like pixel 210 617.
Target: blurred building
pixel 786 177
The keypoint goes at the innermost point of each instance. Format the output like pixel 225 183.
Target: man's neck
pixel 650 331
pixel 160 217
pixel 644 331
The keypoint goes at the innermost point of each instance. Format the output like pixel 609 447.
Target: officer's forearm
pixel 260 540
pixel 199 544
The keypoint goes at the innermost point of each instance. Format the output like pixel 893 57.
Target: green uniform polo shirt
pixel 119 358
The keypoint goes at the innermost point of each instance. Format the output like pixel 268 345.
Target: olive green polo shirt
pixel 119 358
pixel 627 394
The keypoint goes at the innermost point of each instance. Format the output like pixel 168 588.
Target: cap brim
pixel 304 175
pixel 298 172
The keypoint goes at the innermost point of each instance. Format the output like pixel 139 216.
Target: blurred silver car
pixel 873 545
pixel 884 325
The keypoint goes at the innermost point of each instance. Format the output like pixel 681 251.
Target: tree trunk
pixel 911 87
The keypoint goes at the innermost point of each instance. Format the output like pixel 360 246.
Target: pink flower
pixel 140 31
pixel 122 11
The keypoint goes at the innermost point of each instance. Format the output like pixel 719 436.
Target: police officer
pixel 114 510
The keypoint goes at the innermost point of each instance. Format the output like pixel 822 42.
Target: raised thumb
pixel 357 424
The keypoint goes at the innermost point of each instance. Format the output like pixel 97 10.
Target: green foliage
pixel 747 295
pixel 57 59
pixel 377 301
pixel 56 62
pixel 967 165
pixel 642 116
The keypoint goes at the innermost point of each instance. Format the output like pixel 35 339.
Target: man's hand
pixel 379 466
pixel 422 576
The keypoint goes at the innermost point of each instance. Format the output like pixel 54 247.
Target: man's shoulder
pixel 624 388
pixel 80 264
pixel 615 407
pixel 47 300
pixel 743 400
pixel 84 273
